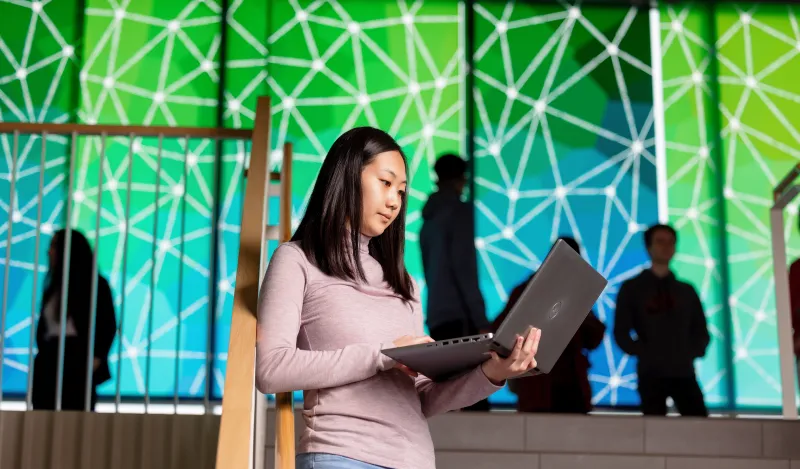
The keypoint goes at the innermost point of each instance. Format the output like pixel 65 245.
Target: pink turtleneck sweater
pixel 324 336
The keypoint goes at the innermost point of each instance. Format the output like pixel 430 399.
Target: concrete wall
pixel 514 441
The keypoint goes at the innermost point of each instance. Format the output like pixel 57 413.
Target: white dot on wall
pixel 164 245
pixel 697 77
pixel 353 28
pixel 508 232
pixel 733 301
pixel 113 184
pixel 47 228
pixel 539 106
pixel 633 227
pixel 68 51
pixel 363 99
pixel 240 157
pixel 317 64
pixel 408 19
pixel 574 12
pixel 561 192
pixel 745 18
pixel 677 26
pixel 224 285
pixel 513 194
pixel 502 27
pixel 206 65
pixel 191 160
pixel 494 149
pixel 79 196
pixel 441 83
pixel 637 147
pixel 16 216
pixel 119 13
pixel 427 131
pixel 108 82
pixel 610 191
pixel 728 193
pixel 137 147
pixel 735 124
pixel 301 15
pixel 177 190
pixel 750 82
pixel 512 93
pixel 480 243
pixel 760 316
pixel 614 381
pixel 158 97
pixel 413 87
pixel 234 105
pixel 692 213
pixel 710 263
pixel 36 6
pixel 612 49
pixel 703 152
pixel 22 73
pixel 741 353
pixel 121 227
pixel 173 25
pixel 288 102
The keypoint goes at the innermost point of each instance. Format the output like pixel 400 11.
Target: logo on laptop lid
pixel 555 310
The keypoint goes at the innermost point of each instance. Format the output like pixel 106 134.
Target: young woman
pixel 76 342
pixel 336 296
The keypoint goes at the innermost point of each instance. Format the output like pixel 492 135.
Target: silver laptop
pixel 556 300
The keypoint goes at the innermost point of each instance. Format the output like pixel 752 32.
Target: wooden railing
pixel 242 428
pixel 240 443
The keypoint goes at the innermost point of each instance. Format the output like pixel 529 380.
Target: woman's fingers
pixel 516 352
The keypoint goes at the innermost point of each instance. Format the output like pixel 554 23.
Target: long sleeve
pixel 457 393
pixel 465 265
pixel 623 322
pixel 591 332
pixel 280 365
pixel 699 333
pixel 106 321
pixel 794 297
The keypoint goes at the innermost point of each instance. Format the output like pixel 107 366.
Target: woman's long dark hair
pixel 80 273
pixel 336 201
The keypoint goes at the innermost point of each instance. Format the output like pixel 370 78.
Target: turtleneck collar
pixel 363 243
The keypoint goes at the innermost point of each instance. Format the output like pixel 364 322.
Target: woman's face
pixel 383 189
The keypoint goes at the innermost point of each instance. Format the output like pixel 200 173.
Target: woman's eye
pixel 386 183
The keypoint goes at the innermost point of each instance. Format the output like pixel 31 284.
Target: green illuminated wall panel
pixel 337 65
pixel 692 172
pixel 760 110
pixel 39 61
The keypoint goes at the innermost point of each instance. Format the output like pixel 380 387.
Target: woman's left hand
pixel 520 361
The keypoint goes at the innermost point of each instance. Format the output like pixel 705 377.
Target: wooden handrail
pixel 35 128
pixel 234 447
pixel 284 404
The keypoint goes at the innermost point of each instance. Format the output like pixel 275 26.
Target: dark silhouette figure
pixel 78 310
pixel 455 306
pixel 566 388
pixel 671 331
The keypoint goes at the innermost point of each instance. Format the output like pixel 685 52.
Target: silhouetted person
pixel 794 305
pixel 455 306
pixel 79 284
pixel 668 319
pixel 566 388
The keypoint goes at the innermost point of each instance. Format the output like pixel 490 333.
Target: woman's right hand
pixel 405 341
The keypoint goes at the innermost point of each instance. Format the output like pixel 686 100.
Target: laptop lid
pixel 556 300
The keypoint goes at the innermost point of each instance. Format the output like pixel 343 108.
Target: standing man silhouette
pixel 455 306
pixel 670 326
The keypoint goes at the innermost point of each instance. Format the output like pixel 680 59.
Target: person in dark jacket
pixel 76 329
pixel 566 388
pixel 671 331
pixel 455 306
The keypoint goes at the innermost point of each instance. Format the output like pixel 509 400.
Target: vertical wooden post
pixel 235 444
pixel 284 402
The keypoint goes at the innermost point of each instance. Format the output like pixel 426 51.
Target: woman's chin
pixel 373 231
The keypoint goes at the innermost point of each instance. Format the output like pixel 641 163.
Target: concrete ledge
pixel 703 437
pixel 582 434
